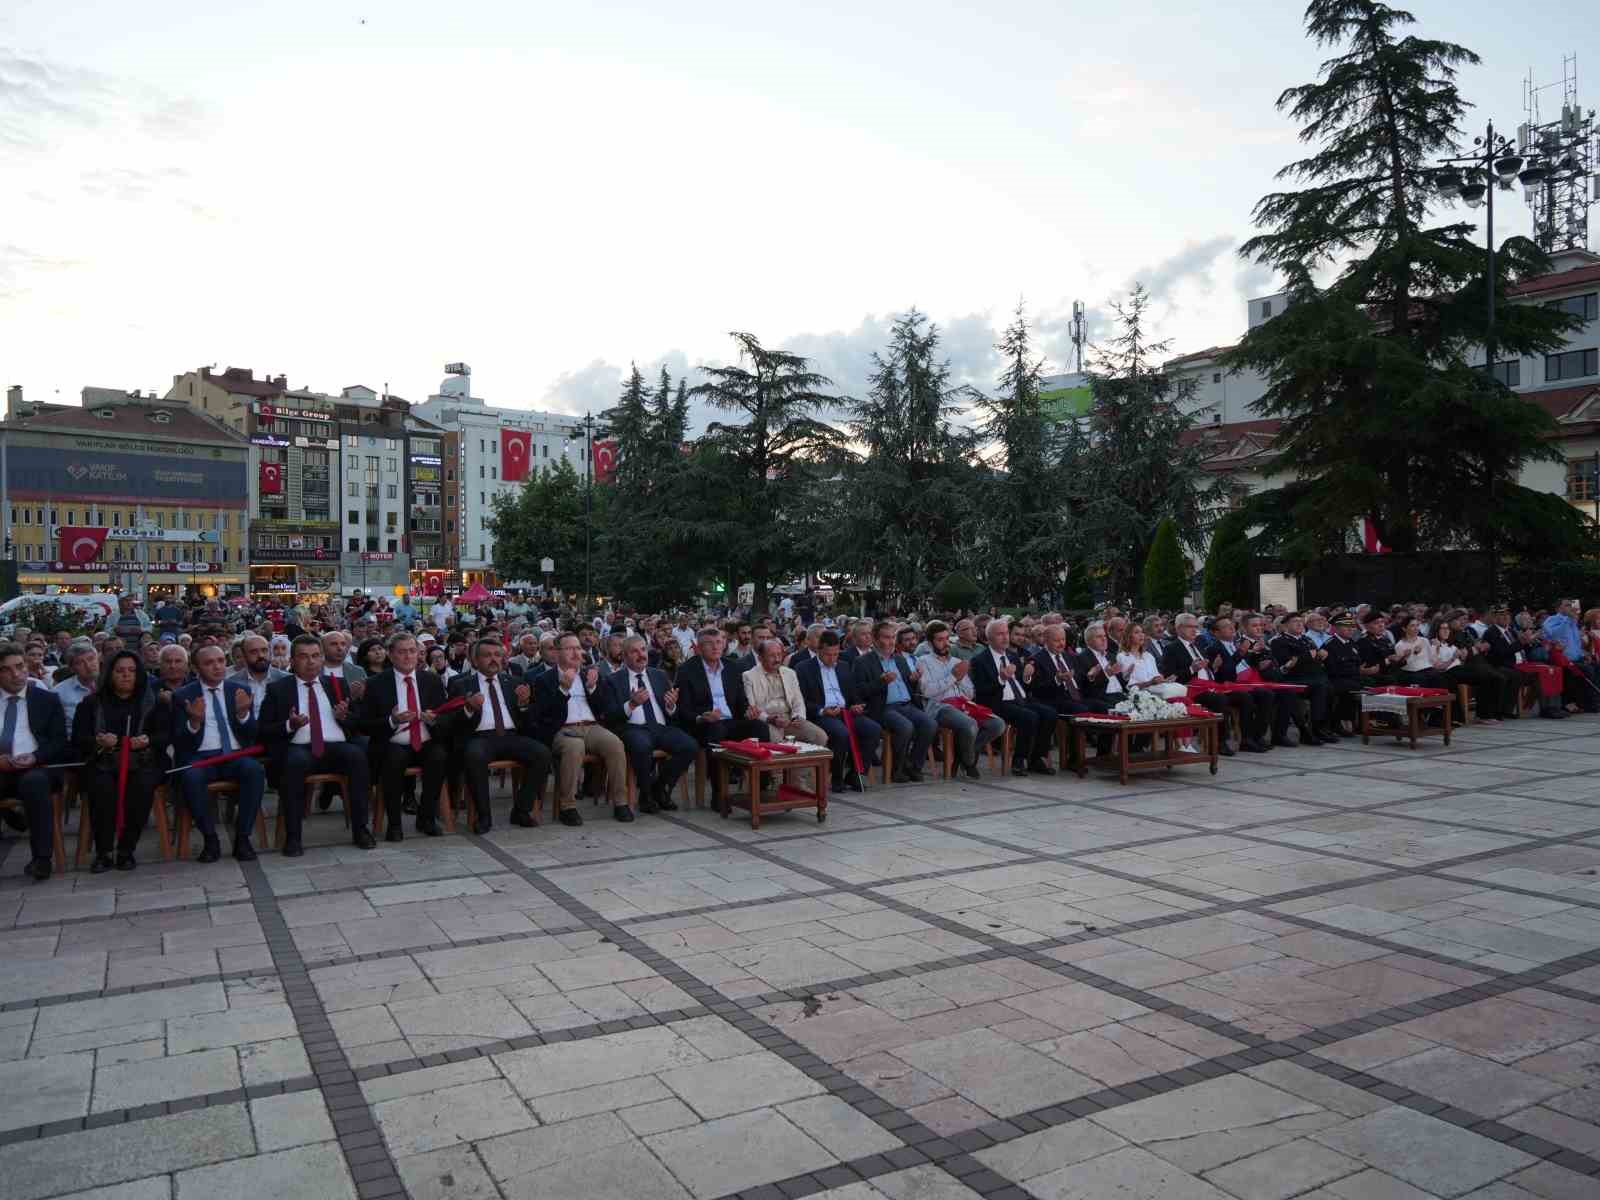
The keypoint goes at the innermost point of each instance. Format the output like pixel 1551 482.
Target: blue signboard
pixel 195 478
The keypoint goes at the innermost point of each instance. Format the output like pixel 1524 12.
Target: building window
pixel 355 545
pixel 390 520
pixel 352 441
pixel 483 551
pixel 1216 377
pixel 450 526
pixel 1574 364
pixel 1508 372
pixel 391 491
pixel 352 488
pixel 390 444
pixel 450 474
pixel 355 517
pixel 116 520
pixel 494 472
pixel 481 500
pixel 1266 309
pixel 72 517
pixel 450 500
pixel 1585 308
pixel 393 545
pixel 372 463
pixel 1581 481
pixel 546 449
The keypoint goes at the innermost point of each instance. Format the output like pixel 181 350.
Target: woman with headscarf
pixel 122 708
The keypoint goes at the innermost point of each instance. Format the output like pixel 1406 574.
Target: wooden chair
pixel 1464 699
pixel 633 783
pixel 501 767
pixel 589 760
pixel 313 781
pixel 448 792
pixel 57 842
pixel 220 787
pixel 158 814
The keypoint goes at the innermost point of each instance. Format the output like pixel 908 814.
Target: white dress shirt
pixel 486 713
pixel 211 733
pixel 1113 684
pixel 1010 689
pixel 577 703
pixel 636 716
pixel 402 733
pixel 1202 669
pixel 22 739
pixel 330 723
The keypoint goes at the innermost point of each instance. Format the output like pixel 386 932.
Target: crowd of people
pixel 414 704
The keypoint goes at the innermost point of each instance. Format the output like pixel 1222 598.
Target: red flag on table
pixel 81 543
pixel 605 460
pixel 516 453
pixel 271 479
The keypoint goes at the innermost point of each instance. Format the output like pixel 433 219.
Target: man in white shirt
pixel 684 634
pixel 84 663
pixel 33 734
pixel 570 708
pixel 496 726
pixel 258 670
pixel 774 689
pixel 307 731
pixel 649 706
pixel 398 713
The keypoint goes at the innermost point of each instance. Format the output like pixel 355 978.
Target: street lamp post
pixel 588 501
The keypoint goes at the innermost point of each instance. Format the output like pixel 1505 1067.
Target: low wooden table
pixel 818 762
pixel 1416 706
pixel 1161 732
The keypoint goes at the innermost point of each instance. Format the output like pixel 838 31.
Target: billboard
pixel 42 472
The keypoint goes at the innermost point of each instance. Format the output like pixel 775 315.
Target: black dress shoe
pixel 570 816
pixel 622 813
pixel 429 828
pixel 518 817
pixel 482 825
pixel 648 806
pixel 211 853
pixel 394 833
pixel 1225 750
pixel 971 772
pixel 126 862
pixel 243 850
pixel 102 864
pixel 666 803
pixel 1041 768
pixel 1253 745
pixel 364 840
pixel 39 868
pixel 1020 772
pixel 292 848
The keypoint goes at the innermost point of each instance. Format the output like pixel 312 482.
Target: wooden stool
pixel 312 783
pixel 158 814
pixel 1001 746
pixel 502 766
pixel 220 787
pixel 58 844
pixel 1464 698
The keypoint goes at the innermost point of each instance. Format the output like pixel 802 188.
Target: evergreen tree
pixel 765 465
pixel 897 514
pixel 630 423
pixel 1023 533
pixel 1378 378
pixel 1227 569
pixel 1166 571
pixel 1130 466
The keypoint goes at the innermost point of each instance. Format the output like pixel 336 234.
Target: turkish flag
pixel 271 479
pixel 605 460
pixel 433 584
pixel 516 452
pixel 1369 537
pixel 80 544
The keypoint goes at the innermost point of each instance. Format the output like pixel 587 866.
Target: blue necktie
pixel 222 720
pixel 8 732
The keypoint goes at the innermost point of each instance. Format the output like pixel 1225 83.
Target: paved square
pixel 1348 973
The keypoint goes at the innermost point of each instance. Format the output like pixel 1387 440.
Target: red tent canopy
pixel 476 594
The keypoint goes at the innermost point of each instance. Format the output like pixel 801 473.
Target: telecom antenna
pixel 1079 336
pixel 1561 199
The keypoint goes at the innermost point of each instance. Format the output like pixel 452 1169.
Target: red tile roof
pixel 1559 281
pixel 131 420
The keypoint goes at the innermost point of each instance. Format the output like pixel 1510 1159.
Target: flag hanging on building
pixel 1369 537
pixel 81 543
pixel 516 454
pixel 271 479
pixel 605 460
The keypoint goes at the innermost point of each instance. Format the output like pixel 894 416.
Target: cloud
pixel 43 101
pixel 15 262
pixel 1193 263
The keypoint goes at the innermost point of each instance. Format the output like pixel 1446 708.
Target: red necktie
pixel 499 715
pixel 411 706
pixel 314 710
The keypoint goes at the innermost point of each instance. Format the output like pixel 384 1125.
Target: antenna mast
pixel 1560 200
pixel 1077 332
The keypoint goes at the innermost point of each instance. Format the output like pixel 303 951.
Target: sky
pixel 355 191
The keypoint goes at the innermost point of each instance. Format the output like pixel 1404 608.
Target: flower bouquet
pixel 1147 706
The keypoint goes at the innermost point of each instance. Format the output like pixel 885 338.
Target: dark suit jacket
pixel 1285 648
pixel 518 717
pixel 1094 689
pixel 1180 664
pixel 380 701
pixel 186 744
pixel 281 701
pixel 873 690
pixel 809 673
pixel 802 655
pixel 985 676
pixel 619 686
pixel 1044 686
pixel 1228 670
pixel 48 721
pixel 694 691
pixel 550 703
pixel 1344 661
pixel 1503 646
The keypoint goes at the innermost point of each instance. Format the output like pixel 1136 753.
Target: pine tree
pixel 1132 466
pixel 1227 569
pixel 1385 412
pixel 1166 571
pixel 764 466
pixel 629 423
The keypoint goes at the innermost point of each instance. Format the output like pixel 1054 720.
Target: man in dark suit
pixel 1099 678
pixel 1225 656
pixel 1185 662
pixel 1344 671
pixel 214 715
pixel 1254 653
pixel 33 734
pixel 496 724
pixel 1301 662
pixel 398 718
pixel 1000 681
pixel 570 709
pixel 307 729
pixel 829 688
pixel 712 705
pixel 887 684
pixel 644 705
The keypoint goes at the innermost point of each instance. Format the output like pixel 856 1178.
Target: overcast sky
pixel 359 192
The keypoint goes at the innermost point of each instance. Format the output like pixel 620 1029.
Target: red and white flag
pixel 605 460
pixel 1369 537
pixel 516 453
pixel 80 544
pixel 271 479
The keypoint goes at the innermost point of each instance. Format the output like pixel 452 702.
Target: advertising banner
pixel 41 472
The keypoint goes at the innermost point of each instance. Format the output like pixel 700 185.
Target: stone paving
pixel 1348 973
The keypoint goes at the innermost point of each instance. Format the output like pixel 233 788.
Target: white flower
pixel 1147 706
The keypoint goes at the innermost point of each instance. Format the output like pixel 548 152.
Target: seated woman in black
pixel 122 707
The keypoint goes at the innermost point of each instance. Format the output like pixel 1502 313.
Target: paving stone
pixel 1128 1174
pixel 544 1070
pixel 1283 1171
pixel 625 1171
pixel 838 1128
pixel 1467 1081
pixel 259 1023
pixel 36 1091
pixel 995 1073
pixel 293 1119
pixel 158 1187
pixel 311 1171
pixel 82 1016
pixel 730 1085
pixel 418 1123
pixel 738 1152
pixel 601 1097
pixel 454 1173
pixel 1049 1150
pixel 429 1079
pixel 154 1080
pixel 1428 1153
pixel 658 1117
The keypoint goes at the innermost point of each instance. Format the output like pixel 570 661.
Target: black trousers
pixel 640 742
pixel 102 788
pixel 338 758
pixel 1254 709
pixel 433 758
pixel 484 748
pixel 1344 700
pixel 32 789
pixel 1027 719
